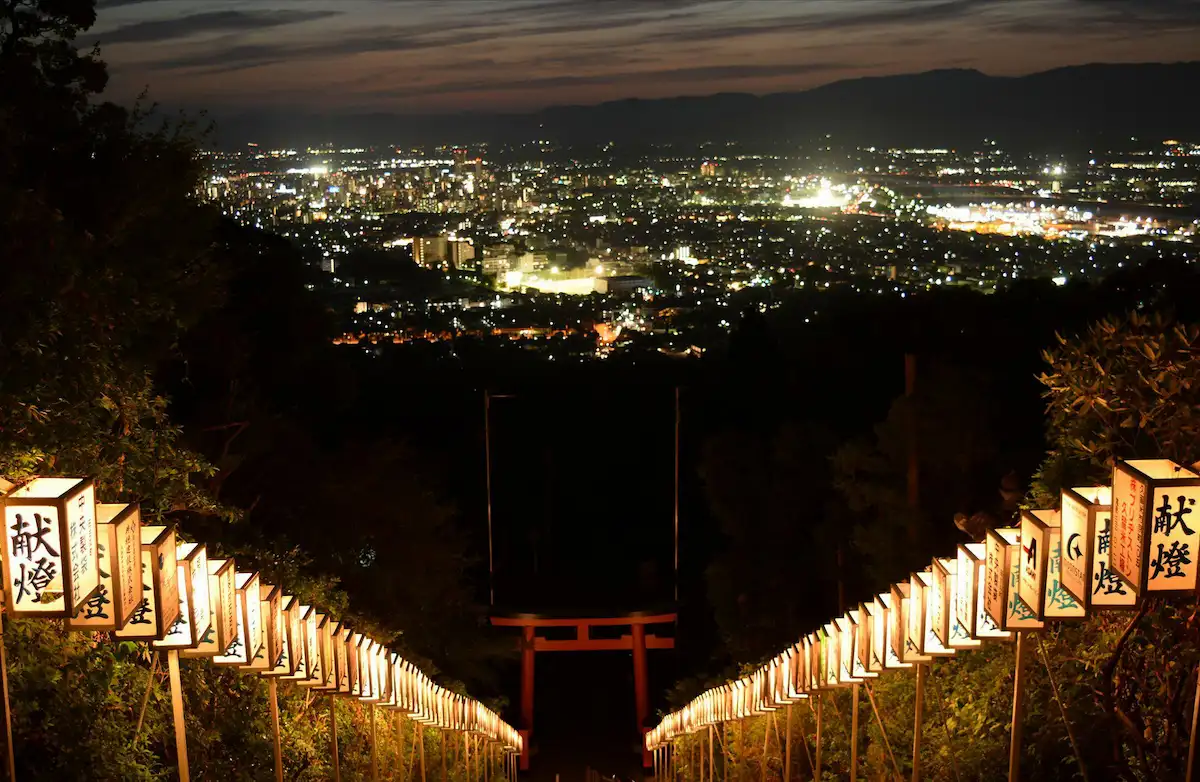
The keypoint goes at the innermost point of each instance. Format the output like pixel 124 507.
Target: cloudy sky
pixel 449 55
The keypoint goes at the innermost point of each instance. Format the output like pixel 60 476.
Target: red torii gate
pixel 637 641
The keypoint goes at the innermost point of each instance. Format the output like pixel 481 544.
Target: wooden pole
pixel 918 723
pixel 273 697
pixel 374 754
pixel 854 733
pixel 1018 711
pixel 337 768
pixel 726 753
pixel 712 768
pixel 9 751
pixel 770 718
pixel 655 753
pixel 399 745
pixel 817 764
pixel 1191 764
pixel 443 734
pixel 421 745
pixel 177 710
pixel 467 755
pixel 787 747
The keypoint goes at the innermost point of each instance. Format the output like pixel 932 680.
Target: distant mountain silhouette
pixel 1072 107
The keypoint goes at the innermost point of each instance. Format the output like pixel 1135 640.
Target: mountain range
pixel 1074 107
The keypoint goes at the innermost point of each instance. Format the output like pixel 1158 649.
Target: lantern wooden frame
pixel 118 547
pixel 1135 486
pixel 54 501
pixel 248 615
pixel 160 576
pixel 192 571
pixel 223 610
pixel 271 617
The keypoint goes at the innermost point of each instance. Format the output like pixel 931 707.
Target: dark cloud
pixel 699 74
pixel 515 48
pixel 216 21
pixel 1099 18
pixel 849 14
pixel 236 57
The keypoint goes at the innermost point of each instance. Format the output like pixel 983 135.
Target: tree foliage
pixel 1106 699
pixel 175 357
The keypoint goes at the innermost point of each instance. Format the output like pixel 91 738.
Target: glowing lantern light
pixel 159 609
pixel 247 640
pixel 195 615
pixel 223 608
pixel 119 564
pixel 1155 526
pixel 50 557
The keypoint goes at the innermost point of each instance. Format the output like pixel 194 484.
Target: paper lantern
pixel 362 648
pixel 314 644
pixel 247 616
pixel 893 634
pixel 303 648
pixel 321 652
pixel 50 556
pixel 828 649
pixel 390 667
pixel 404 687
pixel 813 644
pixel 397 669
pixel 160 587
pixel 270 599
pixel 923 593
pixel 1040 583
pixel 223 608
pixel 289 657
pixel 1002 575
pixel 796 690
pixel 195 615
pixel 846 642
pixel 1087 572
pixel 353 642
pixel 368 691
pixel 970 591
pixel 907 619
pixel 341 648
pixel 118 563
pixel 876 636
pixel 1155 527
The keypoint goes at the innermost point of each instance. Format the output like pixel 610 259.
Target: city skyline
pixel 411 56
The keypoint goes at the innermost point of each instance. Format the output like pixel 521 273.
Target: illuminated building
pixel 431 252
pixel 462 256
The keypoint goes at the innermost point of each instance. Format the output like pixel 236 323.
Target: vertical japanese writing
pixel 127 578
pixel 1128 525
pixel 81 529
pixel 1173 540
pixel 143 622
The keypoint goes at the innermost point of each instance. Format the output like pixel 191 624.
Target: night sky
pixel 451 55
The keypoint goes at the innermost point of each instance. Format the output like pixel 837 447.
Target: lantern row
pixel 100 569
pixel 1105 547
